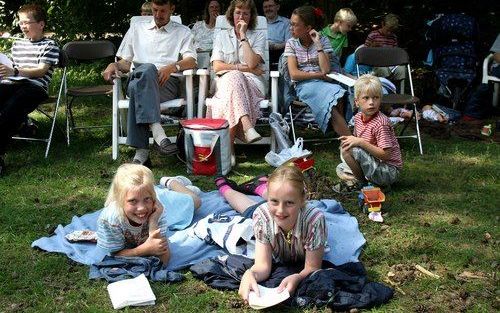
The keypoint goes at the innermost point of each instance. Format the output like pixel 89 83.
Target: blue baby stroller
pixel 452 39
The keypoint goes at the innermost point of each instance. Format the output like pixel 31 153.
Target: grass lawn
pixel 443 215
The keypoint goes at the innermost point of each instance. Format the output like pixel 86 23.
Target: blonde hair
pixel 391 21
pixel 367 84
pixel 127 177
pixel 345 15
pixel 290 173
pixel 146 8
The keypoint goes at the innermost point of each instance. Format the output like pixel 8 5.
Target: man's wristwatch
pixel 16 71
pixel 177 67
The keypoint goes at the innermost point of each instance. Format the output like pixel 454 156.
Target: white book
pixel 268 297
pixel 131 292
pixel 341 78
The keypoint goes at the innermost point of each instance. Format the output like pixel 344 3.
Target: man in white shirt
pixel 278 29
pixel 154 50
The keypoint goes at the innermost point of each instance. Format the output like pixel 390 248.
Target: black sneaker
pixel 224 181
pixel 166 147
pixel 250 186
pixel 147 164
pixel 28 129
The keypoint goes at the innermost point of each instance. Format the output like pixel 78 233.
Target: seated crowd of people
pixel 235 55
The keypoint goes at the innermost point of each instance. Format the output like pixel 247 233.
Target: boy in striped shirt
pixel 373 153
pixel 25 82
pixel 386 37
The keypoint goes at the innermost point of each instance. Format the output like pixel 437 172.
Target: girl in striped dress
pixel 286 230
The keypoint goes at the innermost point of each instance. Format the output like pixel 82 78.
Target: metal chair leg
pixel 418 129
pixel 291 122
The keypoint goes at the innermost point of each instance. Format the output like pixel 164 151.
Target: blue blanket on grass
pixel 344 238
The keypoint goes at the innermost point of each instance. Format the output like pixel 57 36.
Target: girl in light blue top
pixel 137 215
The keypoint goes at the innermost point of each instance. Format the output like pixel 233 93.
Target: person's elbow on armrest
pixel 496 57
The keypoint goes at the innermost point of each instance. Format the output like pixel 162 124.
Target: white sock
pixel 158 132
pixel 166 180
pixel 141 155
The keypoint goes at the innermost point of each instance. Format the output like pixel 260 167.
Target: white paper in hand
pixel 268 297
pixel 5 60
pixel 131 292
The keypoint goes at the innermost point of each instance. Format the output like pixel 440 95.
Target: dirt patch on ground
pixel 402 273
pixel 320 187
pixel 435 130
pixel 472 130
pixel 465 129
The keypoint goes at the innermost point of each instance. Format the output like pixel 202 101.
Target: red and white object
pixel 207 146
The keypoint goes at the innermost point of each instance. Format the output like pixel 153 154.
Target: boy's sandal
pixel 224 181
pixel 250 186
pixel 343 188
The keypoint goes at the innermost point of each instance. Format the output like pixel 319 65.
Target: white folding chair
pixel 266 104
pixel 490 78
pixel 121 102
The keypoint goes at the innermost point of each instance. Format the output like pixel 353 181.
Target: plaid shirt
pixel 309 233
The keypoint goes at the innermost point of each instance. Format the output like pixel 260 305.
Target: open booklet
pixel 5 60
pixel 131 292
pixel 341 78
pixel 268 297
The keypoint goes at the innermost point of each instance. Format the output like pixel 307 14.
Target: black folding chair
pixel 92 50
pixel 389 57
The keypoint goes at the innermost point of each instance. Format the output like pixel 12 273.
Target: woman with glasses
pixel 237 59
pixel 203 31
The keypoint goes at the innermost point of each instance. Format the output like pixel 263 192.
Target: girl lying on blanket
pixel 133 222
pixel 285 230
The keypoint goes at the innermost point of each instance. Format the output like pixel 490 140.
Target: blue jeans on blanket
pixel 118 268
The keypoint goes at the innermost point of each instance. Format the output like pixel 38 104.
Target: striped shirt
pixel 376 39
pixel 309 233
pixel 307 58
pixel 29 54
pixel 115 233
pixel 378 132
